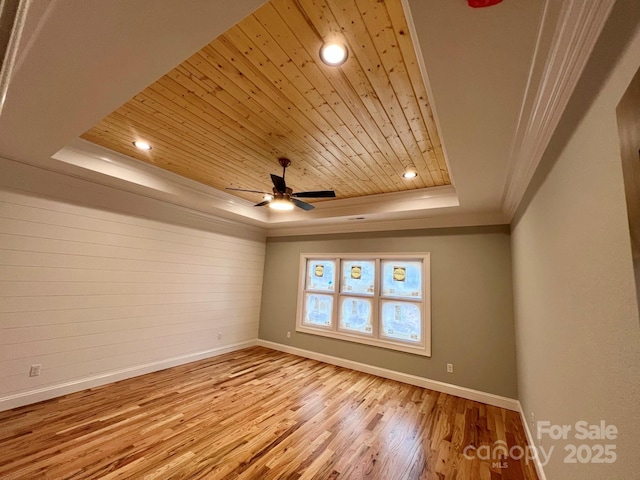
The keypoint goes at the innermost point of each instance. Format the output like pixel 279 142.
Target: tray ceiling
pixel 260 91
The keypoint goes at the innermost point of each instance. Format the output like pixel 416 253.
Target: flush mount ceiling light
pixel 281 203
pixel 410 173
pixel 334 54
pixel 141 145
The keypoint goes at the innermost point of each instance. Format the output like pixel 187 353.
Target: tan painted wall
pixel 577 329
pixel 471 295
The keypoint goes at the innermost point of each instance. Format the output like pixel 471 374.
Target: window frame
pixel 376 338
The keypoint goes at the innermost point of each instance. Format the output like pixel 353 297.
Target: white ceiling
pixel 487 71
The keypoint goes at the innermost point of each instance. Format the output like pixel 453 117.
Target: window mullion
pixel 336 296
pixel 376 301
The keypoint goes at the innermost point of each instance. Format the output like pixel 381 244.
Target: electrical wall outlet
pixel 288 334
pixel 219 335
pixel 449 367
pixel 35 370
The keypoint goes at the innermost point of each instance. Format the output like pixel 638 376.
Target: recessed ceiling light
pixel 281 204
pixel 410 173
pixel 334 54
pixel 142 145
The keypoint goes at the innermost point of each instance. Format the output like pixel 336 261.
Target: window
pixel 381 300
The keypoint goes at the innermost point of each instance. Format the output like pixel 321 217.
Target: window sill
pixel 376 342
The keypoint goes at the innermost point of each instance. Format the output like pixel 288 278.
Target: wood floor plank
pixel 258 414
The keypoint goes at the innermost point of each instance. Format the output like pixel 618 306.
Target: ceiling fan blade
pixel 278 182
pixel 317 194
pixel 302 205
pixel 262 204
pixel 250 191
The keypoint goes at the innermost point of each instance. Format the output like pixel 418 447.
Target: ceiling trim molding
pixel 13 14
pixel 413 33
pixel 97 163
pixel 157 182
pixel 441 220
pixel 576 32
pixel 419 201
pixel 23 178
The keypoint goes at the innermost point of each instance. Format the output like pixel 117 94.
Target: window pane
pixel 401 279
pixel 355 314
pixel 358 276
pixel 318 309
pixel 321 275
pixel 401 321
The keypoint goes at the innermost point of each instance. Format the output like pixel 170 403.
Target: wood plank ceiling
pixel 260 91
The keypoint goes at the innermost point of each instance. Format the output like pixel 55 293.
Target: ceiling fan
pixel 283 197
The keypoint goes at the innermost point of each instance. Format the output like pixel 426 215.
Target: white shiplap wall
pixel 95 296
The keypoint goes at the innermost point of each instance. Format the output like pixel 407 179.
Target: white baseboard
pixel 538 465
pixel 52 391
pixel 468 393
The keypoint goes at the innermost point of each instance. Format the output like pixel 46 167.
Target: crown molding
pixel 352 225
pixel 98 163
pixel 95 163
pixel 22 178
pixel 578 27
pixel 415 40
pixel 13 15
pixel 415 203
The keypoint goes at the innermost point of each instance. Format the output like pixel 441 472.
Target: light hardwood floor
pixel 258 414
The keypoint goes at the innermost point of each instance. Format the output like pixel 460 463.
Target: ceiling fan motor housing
pixel 287 193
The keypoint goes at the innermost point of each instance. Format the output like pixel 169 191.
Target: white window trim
pixel 333 331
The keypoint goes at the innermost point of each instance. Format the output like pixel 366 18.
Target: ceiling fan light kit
pixel 283 197
pixel 281 203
